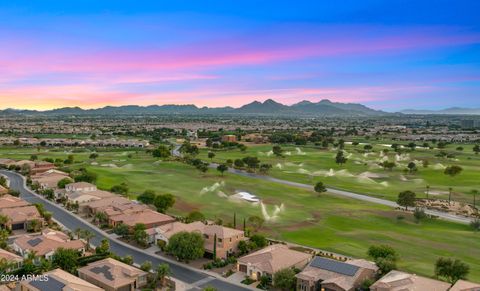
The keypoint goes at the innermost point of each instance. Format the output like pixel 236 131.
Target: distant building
pixel 229 138
pixel 112 275
pixel 80 187
pixel 328 274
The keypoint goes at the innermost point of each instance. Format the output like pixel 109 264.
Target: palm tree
pixel 3 220
pixel 428 190
pixel 450 190
pixel 163 272
pixel 78 232
pixel 87 236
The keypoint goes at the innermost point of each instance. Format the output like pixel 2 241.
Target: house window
pixel 219 240
pixel 205 236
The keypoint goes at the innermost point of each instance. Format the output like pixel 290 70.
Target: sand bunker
pixel 402 157
pixel 438 166
pixel 384 184
pixel 276 211
pixel 94 163
pixel 109 165
pixel 212 188
pixel 300 152
pixel 127 166
pixel 242 195
pixel 279 166
pixel 372 175
pixel 221 194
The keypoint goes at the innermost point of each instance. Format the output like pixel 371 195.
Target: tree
pixel 147 197
pixel 3 181
pixel 387 165
pixel 211 155
pixel 34 225
pixel 381 251
pixel 243 247
pixel 222 168
pixel 202 167
pixel 384 256
pixel 163 202
pixel 121 229
pixel 4 234
pixel 264 168
pixel 62 183
pixel 146 266
pixel 33 157
pixel 475 224
pixel 186 246
pixel 419 214
pixel 66 259
pixel 277 150
pixel 453 170
pixel 100 217
pixel 215 246
pixel 412 167
pixel 406 199
pixel 162 152
pixel 93 156
pixel 238 163
pixel 367 147
pixel 103 248
pixel 120 189
pixel 259 240
pixel 195 216
pixel 476 149
pixel 162 272
pixel 87 235
pixel 320 188
pixel 4 220
pixel 285 279
pixel 256 222
pixel 452 270
pixel 85 176
pixel 140 234
pixel 340 158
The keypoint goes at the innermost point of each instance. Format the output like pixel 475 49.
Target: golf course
pixel 300 216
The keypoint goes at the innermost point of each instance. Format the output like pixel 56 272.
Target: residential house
pixel 80 187
pixel 166 231
pixel 82 197
pixel 227 238
pixel 229 138
pixel 21 217
pixel 148 217
pixel 462 285
pixel 271 259
pixel 400 281
pixel 49 179
pixel 19 212
pixel 14 259
pixel 57 280
pixel 329 274
pixel 41 167
pixel 112 275
pixel 46 243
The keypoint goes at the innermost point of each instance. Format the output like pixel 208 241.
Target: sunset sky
pixel 388 55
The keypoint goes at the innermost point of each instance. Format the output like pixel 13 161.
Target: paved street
pixel 181 272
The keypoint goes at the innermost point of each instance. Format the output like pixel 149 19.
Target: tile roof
pixel 112 272
pixel 462 285
pixel 145 216
pixel 61 281
pixel 274 258
pixel 8 201
pixel 399 281
pixel 47 242
pixel 21 214
pixel 9 257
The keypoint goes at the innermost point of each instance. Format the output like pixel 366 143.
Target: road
pixel 348 194
pixel 182 272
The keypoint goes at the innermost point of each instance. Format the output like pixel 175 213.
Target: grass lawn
pixel 326 221
pixel 362 174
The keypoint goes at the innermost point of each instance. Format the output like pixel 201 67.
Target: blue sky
pixel 388 55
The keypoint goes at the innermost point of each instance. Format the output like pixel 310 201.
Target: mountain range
pixel 324 108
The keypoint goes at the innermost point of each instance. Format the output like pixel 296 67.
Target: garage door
pixel 17 226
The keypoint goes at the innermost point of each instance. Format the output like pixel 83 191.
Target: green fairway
pixel 362 173
pixel 326 221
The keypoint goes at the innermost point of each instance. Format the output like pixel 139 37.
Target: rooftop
pixel 111 272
